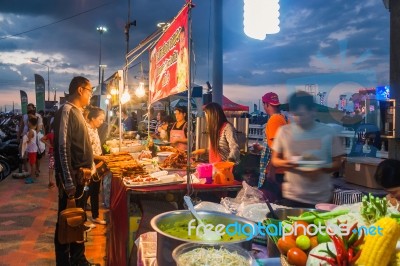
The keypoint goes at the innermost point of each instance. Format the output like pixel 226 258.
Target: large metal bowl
pixel 130 134
pixel 166 243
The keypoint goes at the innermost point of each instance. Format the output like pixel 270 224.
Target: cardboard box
pixel 361 171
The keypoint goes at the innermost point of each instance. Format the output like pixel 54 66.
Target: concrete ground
pixel 28 214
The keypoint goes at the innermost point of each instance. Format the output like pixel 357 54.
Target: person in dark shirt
pixel 127 121
pixel 388 176
pixel 72 151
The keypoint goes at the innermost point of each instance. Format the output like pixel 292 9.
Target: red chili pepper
pixel 355 258
pixel 331 261
pixel 350 254
pixel 360 240
pixel 340 250
pixel 351 231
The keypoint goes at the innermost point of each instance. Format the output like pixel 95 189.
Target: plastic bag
pixel 210 206
pixel 247 195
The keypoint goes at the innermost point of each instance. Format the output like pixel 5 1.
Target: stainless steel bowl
pixel 130 134
pixel 284 213
pixel 166 243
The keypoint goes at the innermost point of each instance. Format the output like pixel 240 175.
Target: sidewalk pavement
pixel 28 214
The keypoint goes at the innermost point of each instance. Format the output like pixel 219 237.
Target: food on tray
pixel 123 164
pixel 168 148
pixel 176 160
pixel 145 155
pixel 211 256
pixel 140 179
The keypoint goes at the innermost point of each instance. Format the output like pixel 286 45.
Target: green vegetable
pixel 323 237
pixel 323 215
pixel 373 208
pixel 319 221
pixel 272 236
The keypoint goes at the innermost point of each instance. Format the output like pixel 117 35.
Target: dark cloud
pixel 309 29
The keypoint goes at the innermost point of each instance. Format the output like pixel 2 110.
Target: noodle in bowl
pixel 211 255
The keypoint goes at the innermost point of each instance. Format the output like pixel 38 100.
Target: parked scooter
pixel 5 169
pixel 9 150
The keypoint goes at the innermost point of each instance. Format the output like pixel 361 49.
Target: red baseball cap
pixel 271 98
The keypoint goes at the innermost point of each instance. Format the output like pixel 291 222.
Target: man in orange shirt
pixel 271 178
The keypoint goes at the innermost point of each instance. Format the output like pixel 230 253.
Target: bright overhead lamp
pixel 260 17
pixel 126 97
pixel 140 92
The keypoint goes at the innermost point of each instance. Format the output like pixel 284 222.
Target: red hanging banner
pixel 169 60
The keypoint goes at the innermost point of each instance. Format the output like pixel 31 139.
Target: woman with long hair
pixel 223 143
pixel 94 119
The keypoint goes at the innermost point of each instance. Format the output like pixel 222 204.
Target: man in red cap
pixel 273 175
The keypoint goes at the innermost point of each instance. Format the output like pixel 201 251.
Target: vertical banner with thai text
pixel 24 101
pixel 39 90
pixel 169 60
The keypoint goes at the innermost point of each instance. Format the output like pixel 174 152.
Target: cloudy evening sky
pixel 339 45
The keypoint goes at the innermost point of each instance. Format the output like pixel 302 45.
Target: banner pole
pixel 189 111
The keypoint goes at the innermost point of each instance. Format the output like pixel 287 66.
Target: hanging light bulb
pixel 114 91
pixel 139 92
pixel 126 97
pixel 260 17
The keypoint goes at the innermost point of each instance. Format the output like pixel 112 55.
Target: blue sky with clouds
pixel 339 45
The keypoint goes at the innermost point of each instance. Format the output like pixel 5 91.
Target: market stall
pixel 122 194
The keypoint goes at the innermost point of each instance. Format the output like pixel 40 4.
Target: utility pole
pixel 101 30
pixel 217 67
pixel 128 25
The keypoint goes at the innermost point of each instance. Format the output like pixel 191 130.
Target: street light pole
pixel 48 76
pixel 101 30
pixel 48 83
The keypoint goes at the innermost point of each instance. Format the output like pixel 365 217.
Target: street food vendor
pixel 178 133
pixel 222 136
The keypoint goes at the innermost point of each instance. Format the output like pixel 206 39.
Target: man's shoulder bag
pixel 71 223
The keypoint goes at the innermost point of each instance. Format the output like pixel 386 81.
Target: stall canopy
pixel 228 105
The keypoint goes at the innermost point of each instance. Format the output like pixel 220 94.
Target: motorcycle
pixel 5 169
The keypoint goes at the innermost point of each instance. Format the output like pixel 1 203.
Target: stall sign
pixel 169 60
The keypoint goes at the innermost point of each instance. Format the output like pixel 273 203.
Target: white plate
pixel 325 206
pixel 132 184
pixel 164 153
pixel 158 174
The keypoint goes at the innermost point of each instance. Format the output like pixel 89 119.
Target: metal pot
pixel 282 214
pixel 130 134
pixel 166 243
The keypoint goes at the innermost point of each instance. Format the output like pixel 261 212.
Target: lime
pixel 303 242
pixel 323 237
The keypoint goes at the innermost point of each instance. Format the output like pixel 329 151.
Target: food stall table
pixel 118 247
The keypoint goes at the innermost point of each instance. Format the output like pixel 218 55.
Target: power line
pixel 86 11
